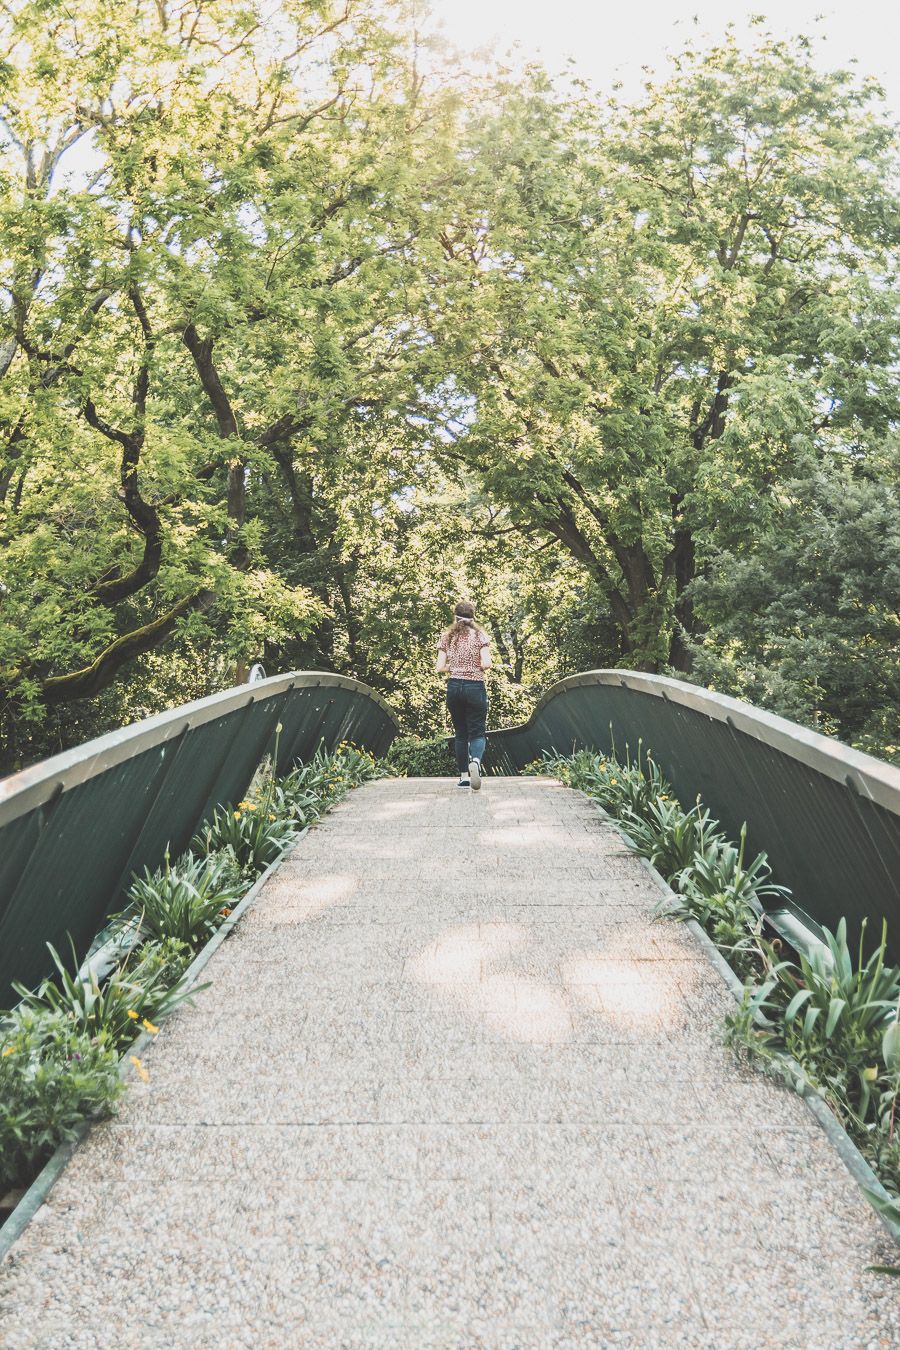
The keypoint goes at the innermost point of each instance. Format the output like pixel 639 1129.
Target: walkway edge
pixel 43 1183
pixel 837 1136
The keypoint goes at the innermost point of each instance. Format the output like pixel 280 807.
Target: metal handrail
pixel 21 792
pixel 828 816
pixel 870 777
pixel 75 828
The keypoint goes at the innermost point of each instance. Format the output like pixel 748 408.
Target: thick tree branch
pixel 144 515
pixel 561 523
pixel 728 256
pixel 12 453
pixel 713 424
pixel 632 558
pixel 103 670
pixel 201 350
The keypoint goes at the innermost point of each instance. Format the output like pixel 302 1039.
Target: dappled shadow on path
pixel 473 968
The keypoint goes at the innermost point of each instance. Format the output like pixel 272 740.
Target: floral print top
pixel 464 653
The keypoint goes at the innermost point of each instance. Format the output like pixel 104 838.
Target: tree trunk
pixel 680 657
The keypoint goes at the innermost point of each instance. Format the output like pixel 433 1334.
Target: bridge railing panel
pixel 828 816
pixel 75 828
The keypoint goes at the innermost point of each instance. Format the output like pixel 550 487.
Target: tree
pixel 304 335
pixel 806 619
pixel 653 310
pixel 218 299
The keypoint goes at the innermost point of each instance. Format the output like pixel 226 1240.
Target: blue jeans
pixel 467 705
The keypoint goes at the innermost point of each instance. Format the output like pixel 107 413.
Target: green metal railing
pixel 827 816
pixel 74 828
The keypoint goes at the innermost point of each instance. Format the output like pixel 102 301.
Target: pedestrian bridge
pixel 448 1084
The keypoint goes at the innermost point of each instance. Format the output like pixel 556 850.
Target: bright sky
pixel 611 41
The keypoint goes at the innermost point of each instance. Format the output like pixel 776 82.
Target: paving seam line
pixel 56 1164
pixel 865 1178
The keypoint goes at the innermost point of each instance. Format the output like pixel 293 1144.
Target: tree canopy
pixel 305 332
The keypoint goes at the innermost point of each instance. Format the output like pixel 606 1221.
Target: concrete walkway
pixel 451 1087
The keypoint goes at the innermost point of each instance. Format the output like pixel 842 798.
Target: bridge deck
pixel 450 1086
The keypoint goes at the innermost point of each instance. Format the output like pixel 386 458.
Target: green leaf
pixel 796 1004
pixel 835 1008
pixel 890 1047
pixel 889 1210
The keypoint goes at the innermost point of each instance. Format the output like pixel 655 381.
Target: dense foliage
pixel 420 758
pixel 305 332
pixel 52 1076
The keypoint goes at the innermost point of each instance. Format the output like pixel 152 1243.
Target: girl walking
pixel 464 654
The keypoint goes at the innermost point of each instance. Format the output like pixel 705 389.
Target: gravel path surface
pixel 451 1087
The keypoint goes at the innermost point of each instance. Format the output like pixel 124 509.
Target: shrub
pixel 834 1018
pixel 305 792
pixel 164 959
pixel 733 925
pixel 355 766
pixel 619 788
pixel 249 833
pixel 831 1012
pixel 881 1140
pixel 292 801
pixel 669 837
pixel 411 757
pixel 53 1075
pixel 718 869
pixel 255 831
pixel 135 995
pixel 186 901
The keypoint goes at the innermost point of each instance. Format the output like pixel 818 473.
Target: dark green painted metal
pixel 827 815
pixel 74 829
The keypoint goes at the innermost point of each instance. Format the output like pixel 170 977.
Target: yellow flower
pixel 237 815
pixel 871 1074
pixel 663 797
pixel 148 1026
pixel 613 782
pixel 10 1049
pixel 251 806
pixel 142 1072
pixel 132 1014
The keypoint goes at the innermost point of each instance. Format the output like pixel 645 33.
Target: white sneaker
pixel 463 781
pixel 475 774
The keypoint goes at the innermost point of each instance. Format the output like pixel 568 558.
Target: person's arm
pixel 441 663
pixel 485 653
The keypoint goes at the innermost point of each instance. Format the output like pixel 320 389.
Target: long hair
pixel 463 620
